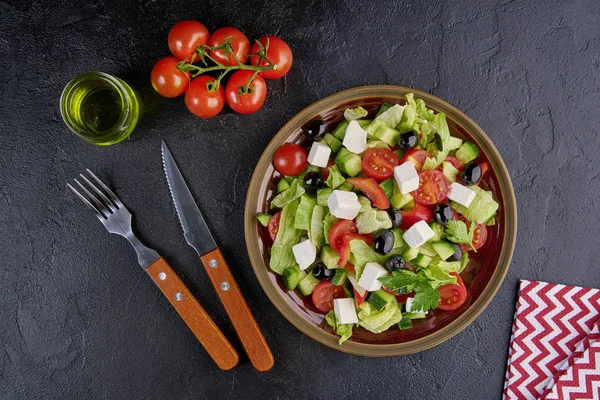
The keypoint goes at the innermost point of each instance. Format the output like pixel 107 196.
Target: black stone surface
pixel 80 319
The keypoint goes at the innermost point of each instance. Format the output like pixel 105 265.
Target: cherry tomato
pixel 337 231
pixel 273 226
pixel 420 212
pixel 278 52
pixel 290 159
pixel 433 187
pixel 452 296
pixel 324 294
pixel 167 80
pixel 240 44
pixel 417 156
pixel 245 103
pixel 345 247
pixel 372 190
pixel 379 164
pixel 358 298
pixel 185 36
pixel 325 171
pixel 455 162
pixel 202 101
pixel 479 237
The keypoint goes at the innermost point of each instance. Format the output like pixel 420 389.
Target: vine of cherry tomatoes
pixel 196 54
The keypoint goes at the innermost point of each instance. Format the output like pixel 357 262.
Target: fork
pixel 116 218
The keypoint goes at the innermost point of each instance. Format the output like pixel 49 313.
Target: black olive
pixel 471 175
pixel 321 272
pixel 395 263
pixel 438 142
pixel 443 213
pixel 316 129
pixel 395 216
pixel 383 241
pixel 408 140
pixel 312 181
pixel 458 253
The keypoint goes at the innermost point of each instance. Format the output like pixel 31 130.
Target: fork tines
pixel 104 204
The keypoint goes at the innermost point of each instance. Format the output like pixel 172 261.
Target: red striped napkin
pixel 554 352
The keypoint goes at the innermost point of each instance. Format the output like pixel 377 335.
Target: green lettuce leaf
pixel 304 212
pixel 328 221
pixel 335 177
pixel 378 321
pixel 438 273
pixel 373 220
pixel 392 116
pixel 365 204
pixel 464 262
pixel 350 114
pixel 481 209
pixel 282 256
pixel 315 233
pixel 287 196
pixel 440 126
pixel 343 330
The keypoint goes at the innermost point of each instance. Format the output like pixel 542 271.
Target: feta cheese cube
pixel 356 138
pixel 406 177
pixel 370 276
pixel 461 194
pixel 418 234
pixel 344 205
pixel 319 154
pixel 305 253
pixel 409 304
pixel 345 312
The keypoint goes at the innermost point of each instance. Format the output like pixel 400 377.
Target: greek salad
pixel 375 219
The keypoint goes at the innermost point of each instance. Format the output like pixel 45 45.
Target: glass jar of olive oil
pixel 99 108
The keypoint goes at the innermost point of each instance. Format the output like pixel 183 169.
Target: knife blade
pixel 198 236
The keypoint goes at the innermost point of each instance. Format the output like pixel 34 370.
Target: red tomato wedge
pixel 479 237
pixel 417 156
pixel 452 296
pixel 433 187
pixel 337 231
pixel 455 163
pixel 325 293
pixel 379 164
pixel 484 168
pixel 345 247
pixel 273 226
pixel 372 190
pixel 358 298
pixel 419 213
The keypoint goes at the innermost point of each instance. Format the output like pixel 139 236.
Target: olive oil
pixel 100 108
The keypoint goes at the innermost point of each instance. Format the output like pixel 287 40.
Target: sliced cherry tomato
pixel 452 296
pixel 273 226
pixel 433 187
pixel 349 267
pixel 379 164
pixel 324 294
pixel 417 156
pixel 278 52
pixel 290 159
pixel 167 80
pixel 358 298
pixel 372 190
pixel 345 247
pixel 419 212
pixel 241 101
pixel 185 36
pixel 325 171
pixel 202 99
pixel 240 44
pixel 337 231
pixel 455 162
pixel 479 237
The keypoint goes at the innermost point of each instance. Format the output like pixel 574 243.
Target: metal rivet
pixel 213 263
pixel 178 296
pixel 225 286
pixel 162 276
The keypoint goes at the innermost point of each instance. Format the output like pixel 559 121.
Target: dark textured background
pixel 79 318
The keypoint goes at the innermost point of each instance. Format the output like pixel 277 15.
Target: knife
pixel 198 236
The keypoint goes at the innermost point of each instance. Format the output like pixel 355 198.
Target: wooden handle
pixel 243 322
pixel 196 318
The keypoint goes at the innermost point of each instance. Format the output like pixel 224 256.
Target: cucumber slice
pixel 340 130
pixel 329 257
pixel 282 185
pixel 398 239
pixel 422 260
pixel 349 163
pixel 322 196
pixel 405 322
pixel 438 231
pixel 346 186
pixel 340 277
pixel 410 254
pixel 292 276
pixel 264 218
pixel 308 284
pixel 399 200
pixel 454 143
pixel 388 187
pixel 333 142
pixel 427 250
pixel 467 152
pixel 380 298
pixel 443 249
pixel 449 171
pixel 416 315
pixel 364 122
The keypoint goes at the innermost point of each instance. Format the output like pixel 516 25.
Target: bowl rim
pixel 365 349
